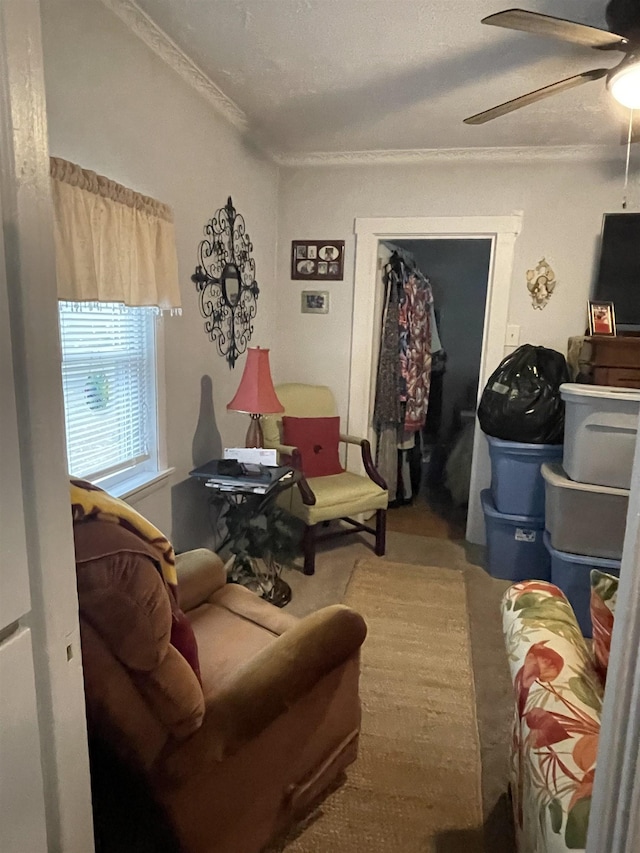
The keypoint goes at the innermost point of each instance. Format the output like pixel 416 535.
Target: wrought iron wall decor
pixel 226 282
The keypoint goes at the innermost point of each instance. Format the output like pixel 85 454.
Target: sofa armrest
pixel 268 685
pixel 200 574
pixel 558 705
pixel 537 614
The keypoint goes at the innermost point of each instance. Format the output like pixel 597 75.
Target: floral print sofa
pixel 558 701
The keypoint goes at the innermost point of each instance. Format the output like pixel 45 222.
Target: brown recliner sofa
pixel 234 760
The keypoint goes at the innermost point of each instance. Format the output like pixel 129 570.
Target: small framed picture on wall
pixel 315 302
pixel 317 260
pixel 602 318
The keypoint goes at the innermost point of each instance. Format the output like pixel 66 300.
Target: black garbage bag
pixel 521 401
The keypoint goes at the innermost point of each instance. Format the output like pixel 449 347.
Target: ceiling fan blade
pixel 546 25
pixel 538 95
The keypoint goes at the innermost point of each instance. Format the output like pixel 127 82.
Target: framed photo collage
pixel 317 260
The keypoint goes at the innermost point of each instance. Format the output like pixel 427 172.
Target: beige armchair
pixel 230 760
pixel 335 496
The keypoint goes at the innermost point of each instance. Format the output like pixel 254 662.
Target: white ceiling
pixel 363 75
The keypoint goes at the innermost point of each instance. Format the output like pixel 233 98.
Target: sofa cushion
pixel 604 593
pixel 174 693
pixel 317 440
pixel 337 495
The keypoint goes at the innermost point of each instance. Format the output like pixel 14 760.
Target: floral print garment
pixel 558 702
pixel 415 350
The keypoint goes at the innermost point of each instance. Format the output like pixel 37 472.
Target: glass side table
pixel 254 524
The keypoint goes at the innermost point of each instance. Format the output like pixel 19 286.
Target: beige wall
pixel 115 107
pixel 563 203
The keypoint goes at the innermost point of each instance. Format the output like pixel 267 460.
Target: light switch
pixel 513 336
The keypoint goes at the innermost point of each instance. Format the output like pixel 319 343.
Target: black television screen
pixel 619 275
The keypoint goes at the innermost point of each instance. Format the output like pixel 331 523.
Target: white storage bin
pixel 600 429
pixel 581 518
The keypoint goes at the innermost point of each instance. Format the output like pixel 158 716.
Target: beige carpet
pixel 416 787
pixel 494 699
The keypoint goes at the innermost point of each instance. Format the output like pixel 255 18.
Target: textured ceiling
pixel 362 75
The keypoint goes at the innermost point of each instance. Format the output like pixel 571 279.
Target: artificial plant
pixel 262 537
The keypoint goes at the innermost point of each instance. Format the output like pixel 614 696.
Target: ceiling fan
pixel 623 80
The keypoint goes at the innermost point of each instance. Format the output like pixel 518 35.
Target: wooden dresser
pixel 612 360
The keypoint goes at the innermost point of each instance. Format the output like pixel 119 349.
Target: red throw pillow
pixel 317 440
pixel 183 639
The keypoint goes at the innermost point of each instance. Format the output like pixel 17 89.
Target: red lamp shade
pixel 256 394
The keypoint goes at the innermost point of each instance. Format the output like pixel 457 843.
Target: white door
pixel 45 792
pixel 22 816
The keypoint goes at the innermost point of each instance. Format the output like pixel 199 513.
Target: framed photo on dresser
pixel 602 318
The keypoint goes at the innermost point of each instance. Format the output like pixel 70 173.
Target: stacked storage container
pixel 586 498
pixel 514 509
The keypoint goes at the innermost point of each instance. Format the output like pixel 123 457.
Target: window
pixel 109 386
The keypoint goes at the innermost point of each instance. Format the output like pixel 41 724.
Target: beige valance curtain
pixel 112 244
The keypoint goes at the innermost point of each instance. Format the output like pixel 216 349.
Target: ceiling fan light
pixel 624 85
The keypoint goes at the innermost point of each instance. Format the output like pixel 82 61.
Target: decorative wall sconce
pixel 541 282
pixel 226 284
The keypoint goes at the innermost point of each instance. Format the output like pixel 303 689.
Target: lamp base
pixel 254 433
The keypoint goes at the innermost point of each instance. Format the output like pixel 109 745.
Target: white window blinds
pixel 108 375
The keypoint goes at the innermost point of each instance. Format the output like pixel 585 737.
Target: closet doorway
pixel 500 234
pixel 429 470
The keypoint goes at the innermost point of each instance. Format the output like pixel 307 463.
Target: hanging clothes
pixel 409 336
pixel 415 376
pixel 415 349
pixel 387 409
pixel 387 413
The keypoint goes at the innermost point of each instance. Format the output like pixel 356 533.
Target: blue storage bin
pixel 517 486
pixel 572 573
pixel 515 549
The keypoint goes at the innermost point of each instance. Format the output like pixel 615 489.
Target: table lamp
pixel 256 395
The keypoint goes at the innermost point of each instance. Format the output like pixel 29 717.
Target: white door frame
pixel 502 231
pixel 29 260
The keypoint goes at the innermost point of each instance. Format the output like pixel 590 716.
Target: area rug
pixel 416 786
